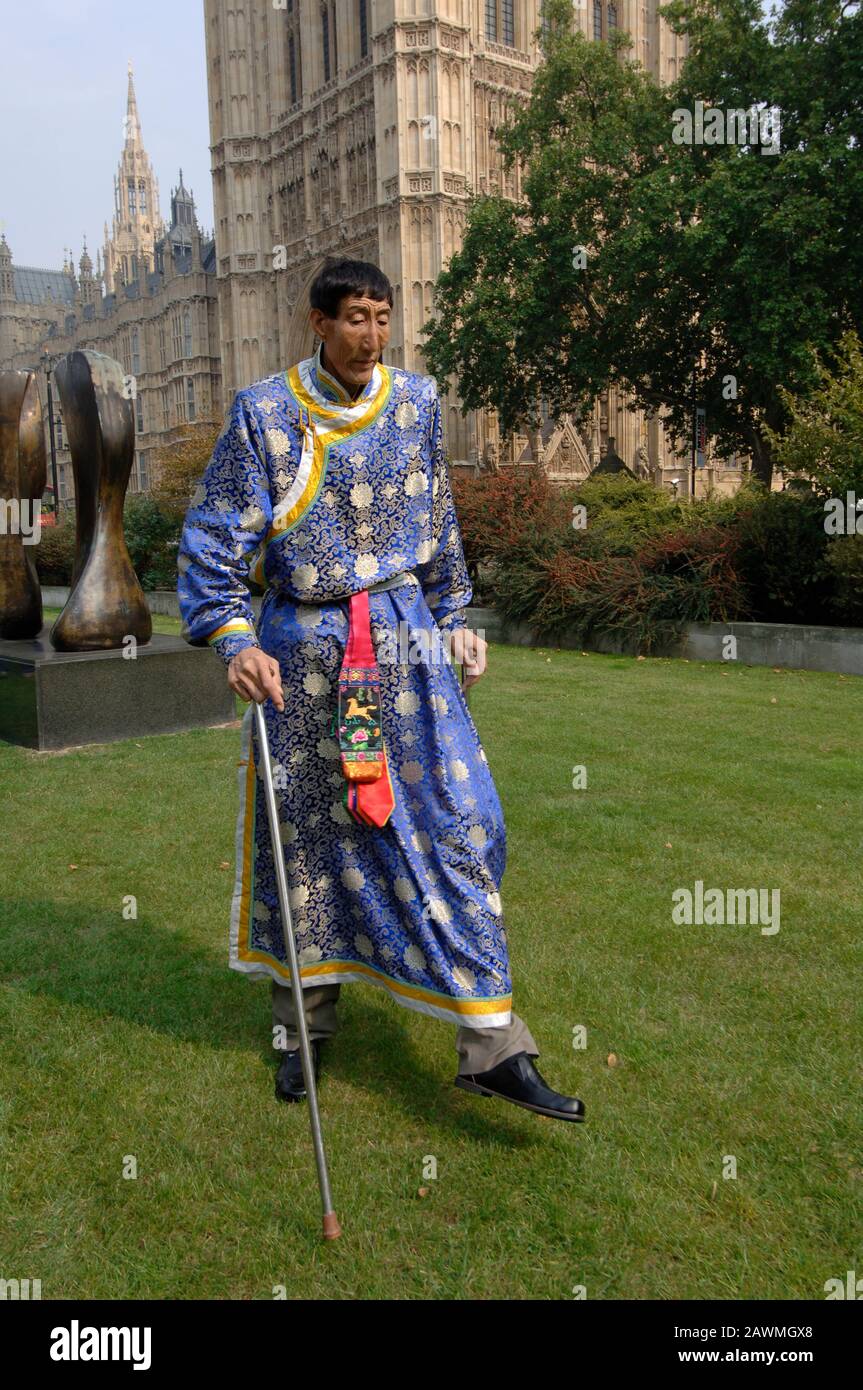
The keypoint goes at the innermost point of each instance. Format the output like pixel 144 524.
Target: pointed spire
pixel 132 123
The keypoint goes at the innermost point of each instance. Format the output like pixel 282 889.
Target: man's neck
pixel 353 391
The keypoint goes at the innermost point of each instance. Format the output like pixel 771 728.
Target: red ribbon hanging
pixel 369 794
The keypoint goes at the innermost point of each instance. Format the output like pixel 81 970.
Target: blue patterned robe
pixel 319 497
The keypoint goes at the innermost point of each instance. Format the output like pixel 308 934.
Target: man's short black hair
pixel 337 278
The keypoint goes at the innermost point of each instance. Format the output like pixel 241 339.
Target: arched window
pixel 325 41
pixel 187 333
pixel 142 196
pixel 364 28
pixel 612 16
pixel 292 68
pixel 500 21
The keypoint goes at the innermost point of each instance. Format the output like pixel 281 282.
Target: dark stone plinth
pixel 52 699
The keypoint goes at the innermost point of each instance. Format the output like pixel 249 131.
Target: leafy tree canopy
pixel 745 259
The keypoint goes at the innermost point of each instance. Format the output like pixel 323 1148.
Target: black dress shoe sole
pixel 302 1094
pixel 290 1098
pixel 466 1085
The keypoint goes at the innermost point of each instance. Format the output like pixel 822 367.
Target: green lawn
pixel 132 1037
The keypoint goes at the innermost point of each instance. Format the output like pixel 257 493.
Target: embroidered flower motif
pixel 421 841
pixel 309 954
pixel 414 958
pixel 353 879
pixel 287 832
pixel 299 896
pixel 493 900
pixel 438 910
pixel 315 684
pixel 252 519
pixel 277 442
pixel 406 414
pixel 361 495
pixel 425 550
pixel 407 703
pixel 304 576
pixel 261 912
pixel 404 889
pixel 459 770
pixel 464 978
pixel 366 566
pixel 411 772
pixel 363 945
pixel 415 483
pixel 477 836
pixel 328 749
pixel 307 615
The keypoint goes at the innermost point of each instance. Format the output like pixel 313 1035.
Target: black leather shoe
pixel 290 1084
pixel 516 1079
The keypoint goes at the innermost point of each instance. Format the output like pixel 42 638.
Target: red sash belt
pixel 369 792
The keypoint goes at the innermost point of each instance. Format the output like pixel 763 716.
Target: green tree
pixel 721 267
pixel 824 438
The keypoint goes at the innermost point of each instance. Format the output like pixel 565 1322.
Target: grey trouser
pixel 479 1049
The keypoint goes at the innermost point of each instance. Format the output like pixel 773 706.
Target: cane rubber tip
pixel 332 1229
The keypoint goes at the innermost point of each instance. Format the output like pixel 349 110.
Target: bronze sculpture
pixel 106 603
pixel 22 482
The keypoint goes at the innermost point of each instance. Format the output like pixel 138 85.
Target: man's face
pixel 354 339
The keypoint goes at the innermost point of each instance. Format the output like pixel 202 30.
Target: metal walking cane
pixel 332 1229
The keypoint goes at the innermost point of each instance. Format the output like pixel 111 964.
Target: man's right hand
pixel 256 676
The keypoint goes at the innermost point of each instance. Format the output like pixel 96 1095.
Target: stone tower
pixel 88 285
pixel 137 223
pixel 361 128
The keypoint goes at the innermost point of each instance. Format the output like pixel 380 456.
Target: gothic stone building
pixel 150 304
pixel 356 127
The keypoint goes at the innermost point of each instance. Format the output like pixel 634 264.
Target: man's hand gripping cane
pixel 254 675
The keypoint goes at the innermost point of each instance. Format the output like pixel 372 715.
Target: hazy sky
pixel 63 80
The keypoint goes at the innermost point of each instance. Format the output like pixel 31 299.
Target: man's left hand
pixel 470 649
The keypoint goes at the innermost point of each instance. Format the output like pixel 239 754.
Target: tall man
pixel 329 484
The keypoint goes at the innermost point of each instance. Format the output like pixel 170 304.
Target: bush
pixel 152 538
pixel 646 564
pixel 783 557
pixel 845 562
pixel 55 553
